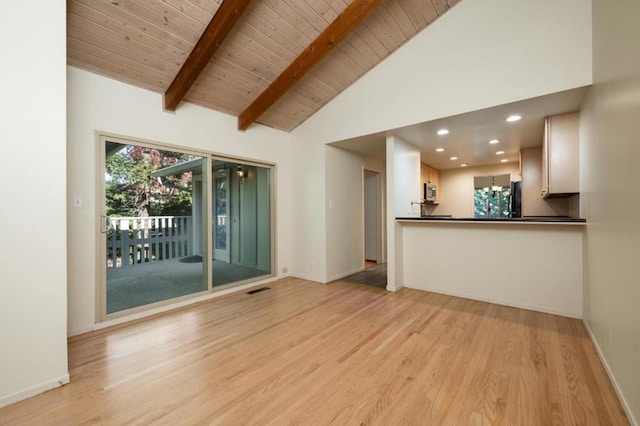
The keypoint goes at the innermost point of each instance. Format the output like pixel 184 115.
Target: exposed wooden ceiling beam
pixel 327 40
pixel 220 26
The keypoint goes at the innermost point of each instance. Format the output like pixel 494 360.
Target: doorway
pixel 374 271
pixel 372 218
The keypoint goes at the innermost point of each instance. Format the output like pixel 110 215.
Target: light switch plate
pixel 77 202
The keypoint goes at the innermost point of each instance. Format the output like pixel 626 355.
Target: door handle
pixel 105 223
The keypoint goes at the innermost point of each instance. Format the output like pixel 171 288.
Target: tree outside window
pixel 489 203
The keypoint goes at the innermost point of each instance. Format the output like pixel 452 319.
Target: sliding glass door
pixel 174 224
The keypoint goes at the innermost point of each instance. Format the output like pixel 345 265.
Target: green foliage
pixel 176 205
pixel 491 203
pixel 131 190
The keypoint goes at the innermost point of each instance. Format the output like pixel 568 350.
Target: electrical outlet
pixel 285 270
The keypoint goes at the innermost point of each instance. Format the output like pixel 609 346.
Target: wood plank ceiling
pixel 146 42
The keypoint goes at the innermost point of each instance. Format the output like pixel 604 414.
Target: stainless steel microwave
pixel 430 192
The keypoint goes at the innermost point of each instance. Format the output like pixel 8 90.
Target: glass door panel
pixel 155 230
pixel 221 215
pixel 242 219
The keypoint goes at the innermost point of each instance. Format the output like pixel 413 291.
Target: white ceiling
pixel 469 133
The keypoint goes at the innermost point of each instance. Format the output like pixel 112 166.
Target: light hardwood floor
pixel 342 353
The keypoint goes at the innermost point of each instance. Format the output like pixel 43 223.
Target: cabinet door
pixel 424 177
pixel 430 175
pixel 563 155
pixel 435 179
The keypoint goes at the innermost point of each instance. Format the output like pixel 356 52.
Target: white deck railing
pixel 137 240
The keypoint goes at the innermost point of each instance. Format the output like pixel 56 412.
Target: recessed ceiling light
pixel 494 141
pixel 443 132
pixel 439 149
pixel 513 118
pixel 453 158
pixel 499 152
pixel 504 160
pixel 463 165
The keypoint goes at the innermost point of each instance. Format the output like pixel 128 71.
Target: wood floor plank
pixel 342 353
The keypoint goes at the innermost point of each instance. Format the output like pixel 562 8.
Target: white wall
pixel 95 104
pixel 33 260
pixel 406 177
pixel 616 36
pixel 610 195
pixel 531 266
pixel 482 64
pixel 345 210
pixel 456 187
pixel 308 259
pixel 403 176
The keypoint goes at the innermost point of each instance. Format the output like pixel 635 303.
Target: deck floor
pixel 342 353
pixel 147 283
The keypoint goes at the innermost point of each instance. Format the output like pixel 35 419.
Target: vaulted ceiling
pixel 273 62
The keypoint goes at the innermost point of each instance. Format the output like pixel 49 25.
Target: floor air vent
pixel 258 290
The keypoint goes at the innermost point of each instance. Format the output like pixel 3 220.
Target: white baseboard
pixel 80 330
pixel 34 390
pixel 496 301
pixel 345 274
pixel 625 405
pixel 308 278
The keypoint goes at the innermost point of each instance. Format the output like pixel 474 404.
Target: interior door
pixel 221 217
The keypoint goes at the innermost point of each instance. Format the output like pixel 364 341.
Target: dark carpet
pixel 375 276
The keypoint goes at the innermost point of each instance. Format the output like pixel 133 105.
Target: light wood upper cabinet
pixel 424 177
pixel 434 178
pixel 429 175
pixel 560 156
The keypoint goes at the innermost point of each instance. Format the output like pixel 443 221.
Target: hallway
pixel 375 276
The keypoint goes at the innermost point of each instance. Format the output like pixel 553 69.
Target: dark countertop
pixel 526 219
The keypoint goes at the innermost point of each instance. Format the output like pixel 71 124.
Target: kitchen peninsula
pixel 506 232
pixel 531 263
pixel 527 219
